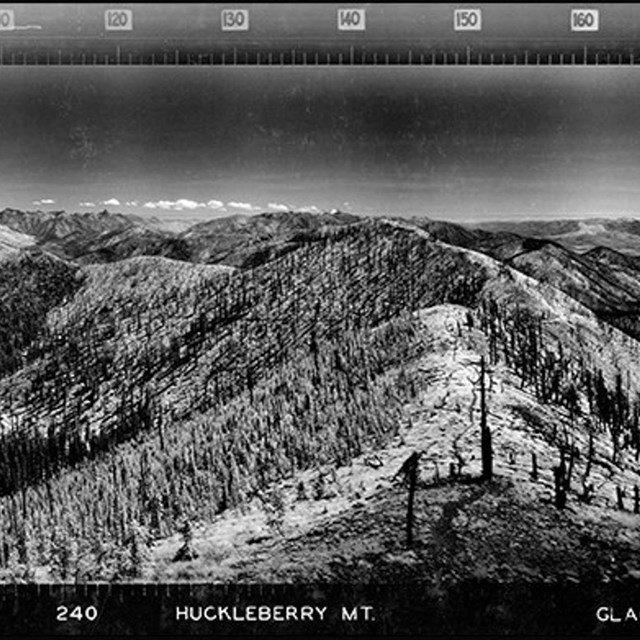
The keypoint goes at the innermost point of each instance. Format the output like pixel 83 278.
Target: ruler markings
pixel 244 32
pixel 491 40
pixel 295 58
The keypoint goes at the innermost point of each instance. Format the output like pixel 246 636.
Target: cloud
pixel 44 201
pixel 111 202
pixel 244 206
pixel 278 207
pixel 87 204
pixel 132 203
pixel 215 204
pixel 311 209
pixel 177 205
pixel 189 204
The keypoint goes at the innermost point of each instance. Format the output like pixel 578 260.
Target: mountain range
pixel 580 235
pixel 259 381
pixel 105 237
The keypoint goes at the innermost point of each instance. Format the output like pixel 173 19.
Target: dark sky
pixel 455 143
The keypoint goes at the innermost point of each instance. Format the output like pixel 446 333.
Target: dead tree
pixel 559 476
pixel 572 456
pixel 485 432
pixel 620 493
pixel 636 499
pixel 409 470
pixel 534 466
pixel 590 455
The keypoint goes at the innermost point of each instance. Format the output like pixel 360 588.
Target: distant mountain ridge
pixel 237 240
pixel 55 225
pixel 581 235
pixel 242 240
pixel 605 280
pixel 602 278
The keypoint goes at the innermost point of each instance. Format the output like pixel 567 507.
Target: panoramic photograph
pixel 336 325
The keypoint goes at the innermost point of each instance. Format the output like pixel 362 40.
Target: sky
pixel 464 144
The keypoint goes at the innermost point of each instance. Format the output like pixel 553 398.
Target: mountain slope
pixel 159 391
pixel 354 533
pixel 604 280
pixel 619 262
pixel 12 241
pixel 252 240
pixel 121 244
pixel 32 283
pixel 597 286
pixel 190 338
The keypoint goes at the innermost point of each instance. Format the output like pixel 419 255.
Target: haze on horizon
pixel 464 144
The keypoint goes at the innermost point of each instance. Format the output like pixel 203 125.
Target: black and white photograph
pixel 339 325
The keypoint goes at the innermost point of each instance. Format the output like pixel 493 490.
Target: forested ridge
pixel 148 352
pixel 145 393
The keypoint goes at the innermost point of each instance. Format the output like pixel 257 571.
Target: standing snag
pixel 409 470
pixel 485 432
pixel 560 482
pixel 534 466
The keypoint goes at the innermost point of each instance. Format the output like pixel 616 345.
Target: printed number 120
pixel 118 20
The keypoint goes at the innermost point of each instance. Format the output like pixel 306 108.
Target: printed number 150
pixel 467 20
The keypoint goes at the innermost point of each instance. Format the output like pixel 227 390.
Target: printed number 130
pixel 234 20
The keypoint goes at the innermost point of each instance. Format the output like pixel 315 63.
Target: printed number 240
pixel 64 614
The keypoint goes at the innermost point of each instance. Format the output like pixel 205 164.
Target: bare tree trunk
pixel 620 496
pixel 413 475
pixel 409 469
pixel 534 466
pixel 487 450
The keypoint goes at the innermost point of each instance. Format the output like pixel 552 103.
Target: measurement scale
pixel 319 34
